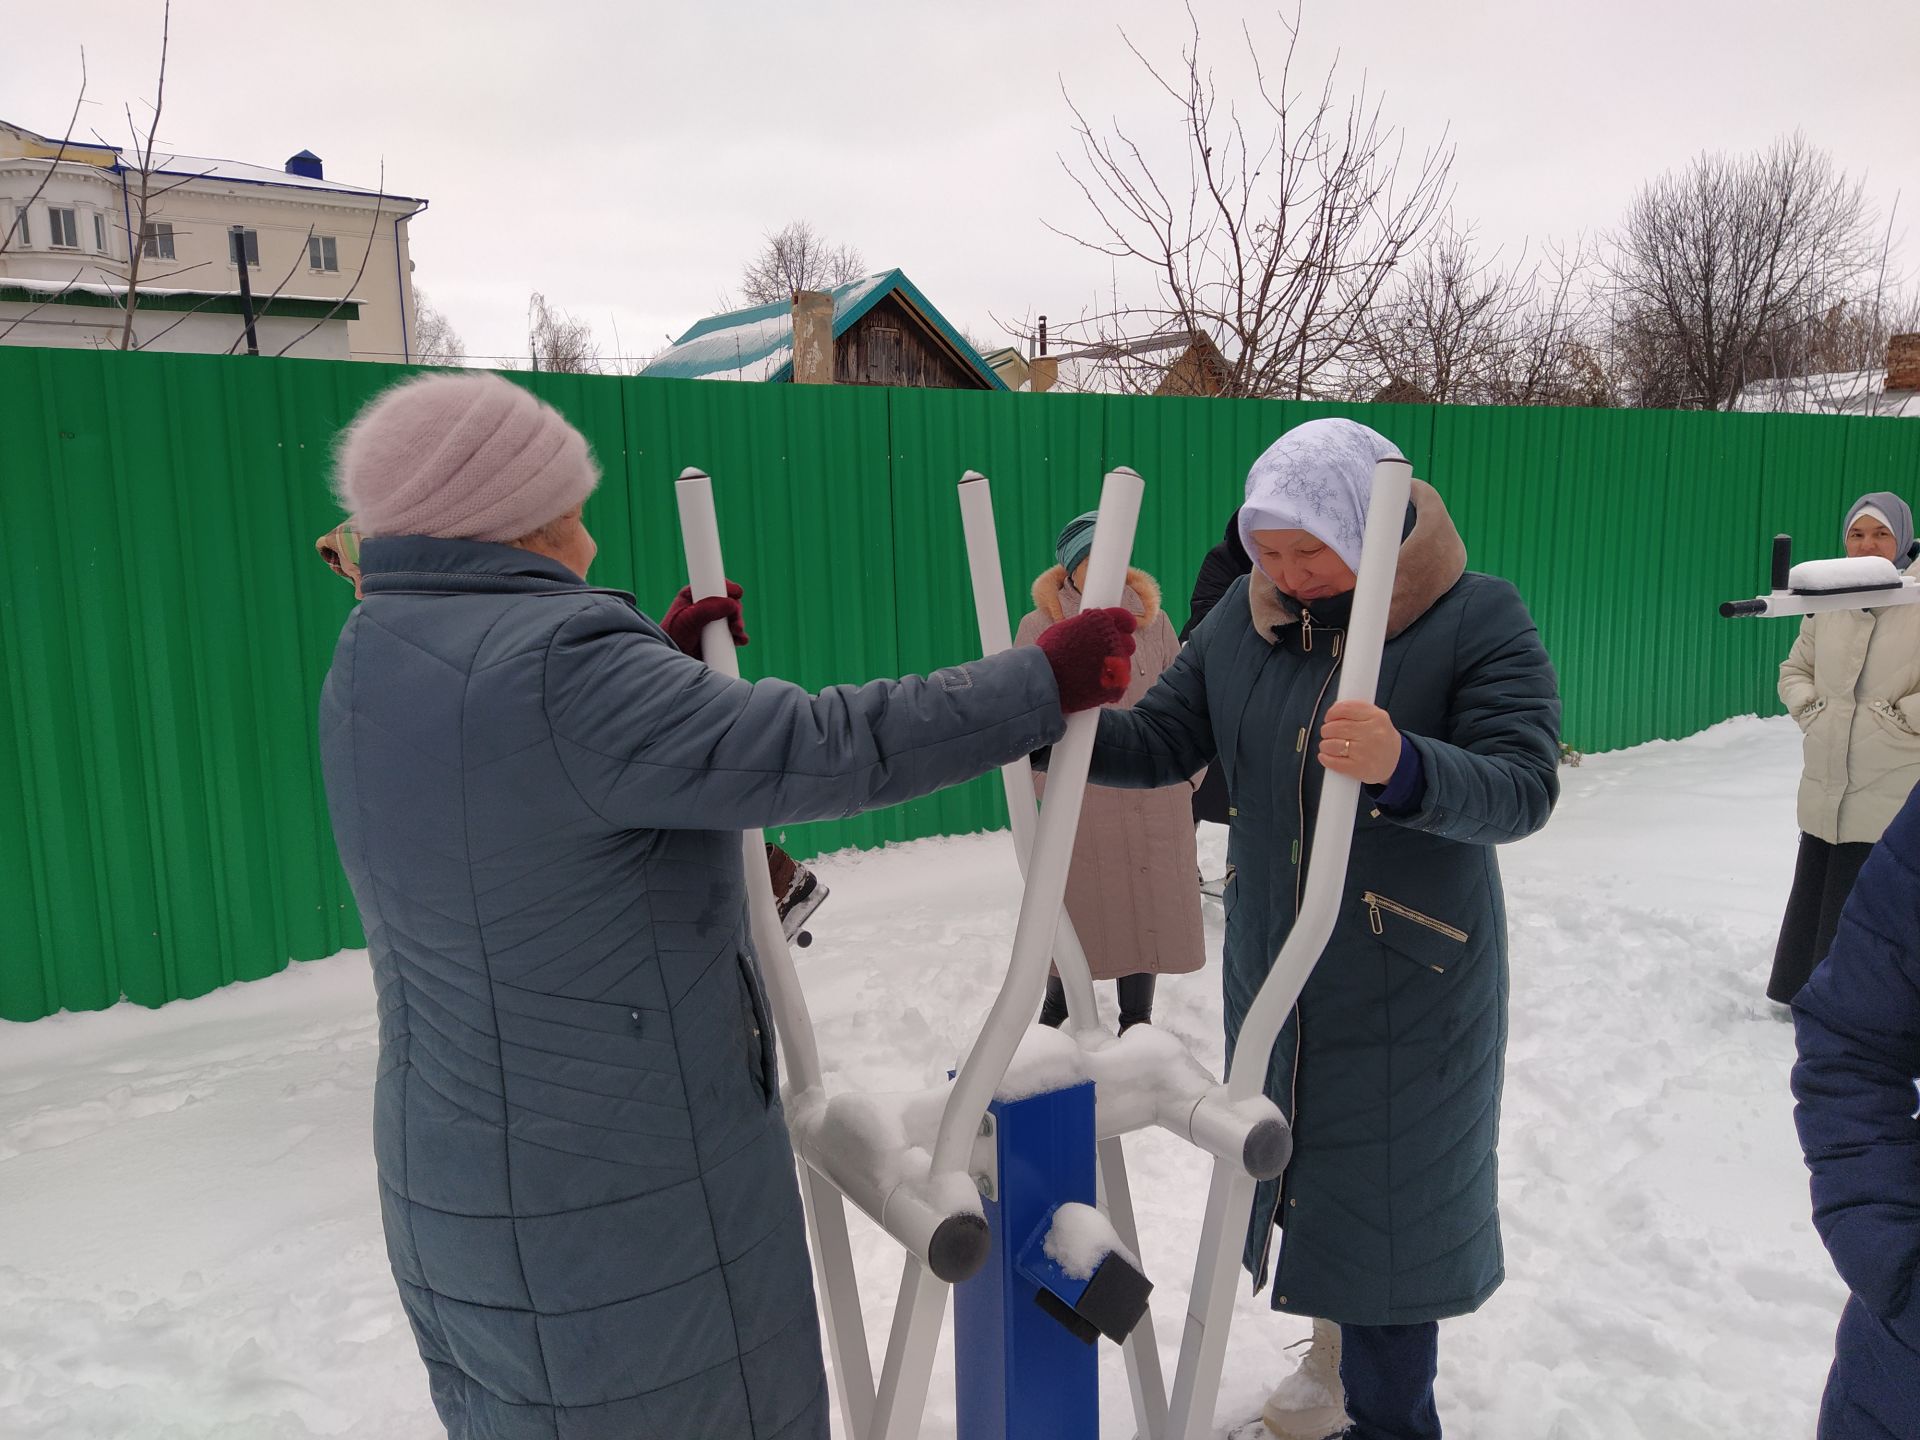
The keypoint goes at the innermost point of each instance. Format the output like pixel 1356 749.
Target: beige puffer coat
pixel 1852 681
pixel 1133 893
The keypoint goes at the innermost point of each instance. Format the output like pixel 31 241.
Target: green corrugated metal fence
pixel 164 625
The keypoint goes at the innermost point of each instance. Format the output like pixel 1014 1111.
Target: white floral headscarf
pixel 1317 477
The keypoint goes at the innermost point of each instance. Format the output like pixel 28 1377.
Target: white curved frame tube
pixel 1145 1381
pixel 826 1215
pixel 996 634
pixel 1041 906
pixel 1203 1348
pixel 707 575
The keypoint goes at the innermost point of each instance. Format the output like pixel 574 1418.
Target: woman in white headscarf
pixel 1390 1069
pixel 1852 682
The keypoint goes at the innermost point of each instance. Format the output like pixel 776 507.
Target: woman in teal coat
pixel 1390 1068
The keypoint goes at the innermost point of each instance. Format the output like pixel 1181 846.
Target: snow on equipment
pixel 1865 582
pixel 923 1190
pixel 1010 1185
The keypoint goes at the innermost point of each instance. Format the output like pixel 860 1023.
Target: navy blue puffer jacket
pixel 1857 1023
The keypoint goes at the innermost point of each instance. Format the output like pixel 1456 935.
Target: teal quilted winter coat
pixel 1391 1065
pixel 585 1176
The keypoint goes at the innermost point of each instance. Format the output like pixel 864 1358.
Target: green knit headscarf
pixel 1076 542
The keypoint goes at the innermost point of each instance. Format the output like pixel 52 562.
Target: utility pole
pixel 237 240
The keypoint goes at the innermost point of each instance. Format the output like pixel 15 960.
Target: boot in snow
pixel 1310 1403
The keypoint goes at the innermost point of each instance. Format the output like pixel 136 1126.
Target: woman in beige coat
pixel 1133 893
pixel 1852 681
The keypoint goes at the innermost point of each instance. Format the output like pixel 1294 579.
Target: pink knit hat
pixel 461 457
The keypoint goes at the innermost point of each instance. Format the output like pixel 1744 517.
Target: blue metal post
pixel 1021 1374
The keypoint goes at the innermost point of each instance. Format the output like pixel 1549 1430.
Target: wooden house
pixel 883 331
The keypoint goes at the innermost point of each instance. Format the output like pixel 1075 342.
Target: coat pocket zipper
pixel 1378 903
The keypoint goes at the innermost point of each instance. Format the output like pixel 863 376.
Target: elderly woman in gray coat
pixel 585 1177
pixel 1390 1068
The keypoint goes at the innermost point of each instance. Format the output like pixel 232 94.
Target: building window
pixel 322 253
pixel 100 232
pixel 250 239
pixel 63 228
pixel 156 240
pixel 23 227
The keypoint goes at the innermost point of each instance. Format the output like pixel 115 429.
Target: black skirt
pixel 1823 878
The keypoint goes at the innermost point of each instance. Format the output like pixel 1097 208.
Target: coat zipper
pixel 1377 903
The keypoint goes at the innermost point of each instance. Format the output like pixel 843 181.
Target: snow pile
pixel 886 1139
pixel 1858 572
pixel 190 1242
pixel 1080 1239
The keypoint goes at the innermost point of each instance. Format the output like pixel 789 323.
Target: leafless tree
pixel 435 341
pixel 1716 265
pixel 559 341
pixel 142 193
pixel 795 258
pixel 1457 327
pixel 1294 206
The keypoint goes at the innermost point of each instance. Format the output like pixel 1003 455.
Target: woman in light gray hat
pixel 1852 682
pixel 585 1176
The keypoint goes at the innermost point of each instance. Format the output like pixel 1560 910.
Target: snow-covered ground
pixel 190 1247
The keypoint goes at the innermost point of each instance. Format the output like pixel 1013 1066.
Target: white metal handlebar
pixel 707 577
pixel 996 634
pixel 1339 794
pixel 1041 906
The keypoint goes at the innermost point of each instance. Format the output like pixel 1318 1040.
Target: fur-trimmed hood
pixel 1052 591
pixel 1433 557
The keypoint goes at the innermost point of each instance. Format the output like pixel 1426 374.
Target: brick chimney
pixel 812 338
pixel 1903 362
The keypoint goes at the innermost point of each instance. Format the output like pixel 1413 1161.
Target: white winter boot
pixel 1310 1403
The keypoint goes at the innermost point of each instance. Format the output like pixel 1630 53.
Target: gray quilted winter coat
pixel 585 1176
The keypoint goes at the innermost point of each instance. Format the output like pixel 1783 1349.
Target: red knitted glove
pixel 687 617
pixel 1092 657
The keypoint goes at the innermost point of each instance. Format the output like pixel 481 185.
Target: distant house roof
pixel 1009 364
pixel 1851 392
pixel 166 162
pixel 757 344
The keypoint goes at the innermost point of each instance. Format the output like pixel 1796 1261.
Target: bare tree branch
pixel 373 231
pixel 558 341
pixel 1295 209
pixel 66 138
pixel 435 340
pixel 143 204
pixel 796 258
pixel 1725 273
pixel 52 299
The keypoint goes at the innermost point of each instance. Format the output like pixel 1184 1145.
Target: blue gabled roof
pixel 757 344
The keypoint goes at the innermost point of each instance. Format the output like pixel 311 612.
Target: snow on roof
pixel 242 173
pixel 756 344
pixel 1839 392
pixel 63 287
pixel 236 171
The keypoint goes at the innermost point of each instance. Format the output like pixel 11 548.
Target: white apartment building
pixel 328 263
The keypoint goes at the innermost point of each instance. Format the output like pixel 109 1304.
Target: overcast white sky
pixel 626 158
